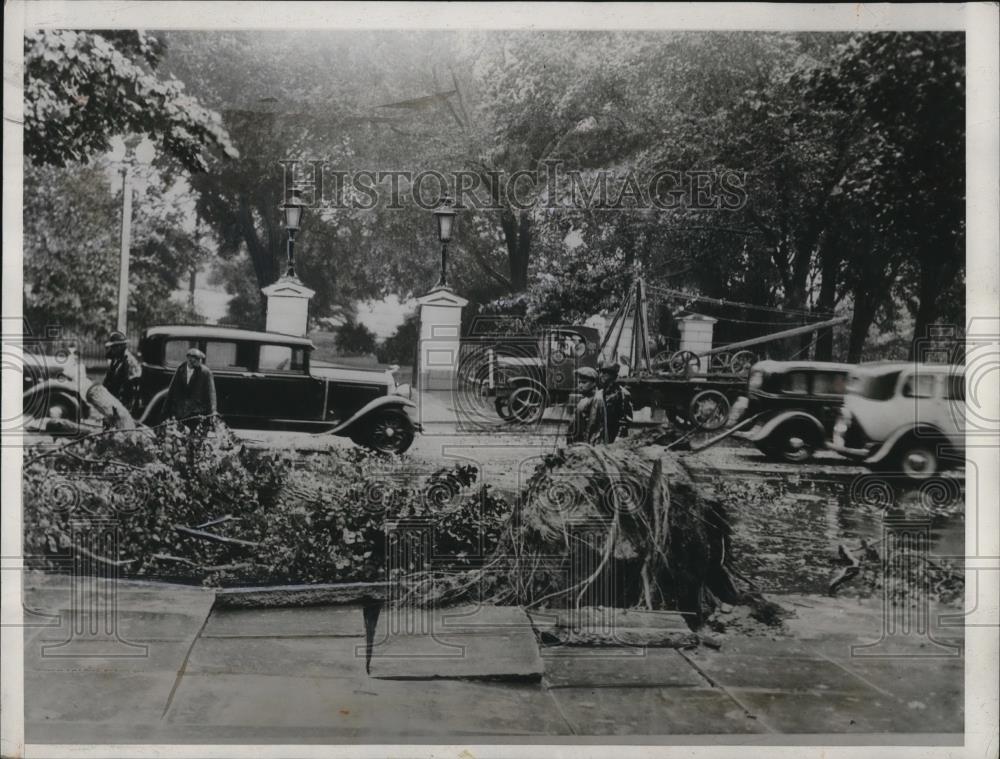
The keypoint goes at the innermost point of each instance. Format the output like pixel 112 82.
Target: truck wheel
pixel 388 431
pixel 918 461
pixel 527 404
pixel 709 410
pixel 740 363
pixel 503 409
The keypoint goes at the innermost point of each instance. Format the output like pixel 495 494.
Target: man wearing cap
pixel 613 405
pixel 124 372
pixel 192 390
pixel 584 422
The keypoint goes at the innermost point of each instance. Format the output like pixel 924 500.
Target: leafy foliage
pixel 84 87
pixel 401 346
pixel 833 136
pixel 281 520
pixel 72 219
pixel 355 339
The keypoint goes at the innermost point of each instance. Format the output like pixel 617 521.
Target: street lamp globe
pixel 445 215
pixel 292 209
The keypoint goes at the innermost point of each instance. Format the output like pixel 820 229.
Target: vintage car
pixel 904 418
pixel 796 404
pixel 267 380
pixel 526 374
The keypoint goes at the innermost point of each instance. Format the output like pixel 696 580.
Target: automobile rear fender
pixel 154 404
pixel 927 432
pixel 386 401
pixel 56 389
pixel 769 427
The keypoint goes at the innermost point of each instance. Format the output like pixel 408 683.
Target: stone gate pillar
pixel 440 335
pixel 696 336
pixel 288 306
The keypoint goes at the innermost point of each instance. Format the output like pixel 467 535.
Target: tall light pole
pixel 445 215
pixel 292 209
pixel 126 242
pixel 131 154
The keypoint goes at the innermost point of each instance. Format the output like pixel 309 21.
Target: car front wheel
pixel 388 431
pixel 795 444
pixel 918 461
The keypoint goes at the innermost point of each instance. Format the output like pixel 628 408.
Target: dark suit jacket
pixel 194 398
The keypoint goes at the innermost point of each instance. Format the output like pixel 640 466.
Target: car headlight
pixel 756 380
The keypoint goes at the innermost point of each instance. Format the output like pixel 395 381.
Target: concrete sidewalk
pixel 179 671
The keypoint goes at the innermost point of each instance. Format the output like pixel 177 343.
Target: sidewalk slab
pixel 348 620
pixel 311 620
pixel 813 675
pixel 364 708
pixel 509 656
pixel 798 712
pixel 575 667
pixel 110 664
pixel 44 652
pixel 653 711
pixel 97 698
pixel 932 687
pixel 312 657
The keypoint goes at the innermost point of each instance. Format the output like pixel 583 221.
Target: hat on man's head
pixel 196 353
pixel 612 369
pixel 116 338
pixel 587 373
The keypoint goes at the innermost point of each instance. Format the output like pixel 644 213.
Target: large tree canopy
pixel 827 142
pixel 84 87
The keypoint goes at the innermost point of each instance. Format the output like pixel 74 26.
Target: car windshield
pixel 876 387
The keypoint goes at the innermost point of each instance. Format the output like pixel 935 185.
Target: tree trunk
pixel 936 276
pixel 258 255
pixel 861 322
pixel 827 300
pixel 517 236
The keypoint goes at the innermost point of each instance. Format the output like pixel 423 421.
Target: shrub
pixel 354 339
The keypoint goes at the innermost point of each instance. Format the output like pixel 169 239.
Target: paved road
pixel 506 456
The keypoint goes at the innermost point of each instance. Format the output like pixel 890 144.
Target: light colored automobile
pixel 903 417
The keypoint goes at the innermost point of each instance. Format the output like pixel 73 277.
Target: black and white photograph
pixel 443 379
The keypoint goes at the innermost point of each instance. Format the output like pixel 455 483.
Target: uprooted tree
pixel 628 523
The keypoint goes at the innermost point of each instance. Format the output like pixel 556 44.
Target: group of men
pixel 192 389
pixel 604 413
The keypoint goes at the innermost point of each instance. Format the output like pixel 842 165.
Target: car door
pixel 231 362
pixel 286 396
pixel 827 396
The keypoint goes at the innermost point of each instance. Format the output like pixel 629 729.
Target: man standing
pixel 614 405
pixel 584 420
pixel 124 372
pixel 192 390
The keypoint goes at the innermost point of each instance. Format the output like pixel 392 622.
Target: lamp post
pixel 292 209
pixel 130 156
pixel 126 242
pixel 445 215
